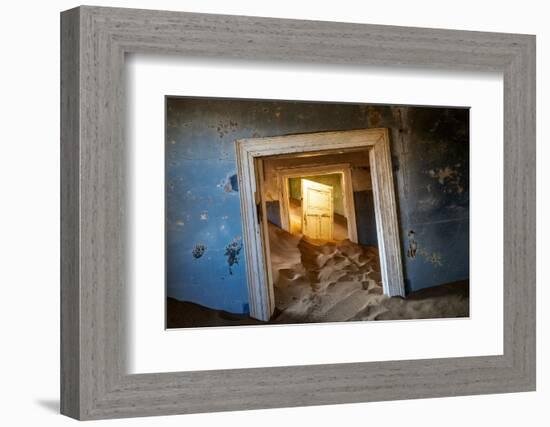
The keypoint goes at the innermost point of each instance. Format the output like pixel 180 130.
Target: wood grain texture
pixel 385 211
pixel 260 297
pixel 94 381
pixel 70 307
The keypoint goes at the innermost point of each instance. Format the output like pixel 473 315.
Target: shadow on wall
pixel 364 216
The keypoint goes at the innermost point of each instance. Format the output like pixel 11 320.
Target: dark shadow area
pixel 445 301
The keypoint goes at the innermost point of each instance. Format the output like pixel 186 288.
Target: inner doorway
pixel 290 195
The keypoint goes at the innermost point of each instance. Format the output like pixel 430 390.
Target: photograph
pixel 346 232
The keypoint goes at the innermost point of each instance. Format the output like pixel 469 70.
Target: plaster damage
pixel 448 177
pixel 198 250
pixel 230 184
pixel 414 248
pixel 232 252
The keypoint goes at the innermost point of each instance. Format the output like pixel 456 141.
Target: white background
pixel 30 213
pixel 152 349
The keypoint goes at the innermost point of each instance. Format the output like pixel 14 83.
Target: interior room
pixel 316 208
pixel 330 270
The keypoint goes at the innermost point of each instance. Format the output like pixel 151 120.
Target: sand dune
pixel 332 282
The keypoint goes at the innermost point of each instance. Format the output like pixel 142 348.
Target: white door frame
pixel 255 233
pixel 344 169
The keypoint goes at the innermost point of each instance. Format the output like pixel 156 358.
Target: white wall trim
pixel 255 236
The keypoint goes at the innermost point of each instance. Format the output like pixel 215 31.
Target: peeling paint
pixel 413 246
pixel 230 184
pixel 373 116
pixel 204 216
pixel 449 177
pixel 433 258
pixel 198 250
pixel 426 204
pixel 232 252
pixel 224 128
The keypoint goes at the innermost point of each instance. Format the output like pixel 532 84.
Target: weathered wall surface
pixel 430 149
pixel 205 261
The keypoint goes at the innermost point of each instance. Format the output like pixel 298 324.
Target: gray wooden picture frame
pixel 94 382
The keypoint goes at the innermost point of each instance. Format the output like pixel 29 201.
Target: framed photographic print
pixel 262 213
pixel 323 200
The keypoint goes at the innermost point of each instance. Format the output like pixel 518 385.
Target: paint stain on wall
pixel 223 128
pixel 435 259
pixel 374 116
pixel 232 252
pixel 414 248
pixel 198 250
pixel 449 178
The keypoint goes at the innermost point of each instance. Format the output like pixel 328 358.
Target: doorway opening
pixel 317 200
pixel 307 226
pixel 313 209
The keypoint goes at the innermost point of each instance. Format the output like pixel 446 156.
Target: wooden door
pixel 317 210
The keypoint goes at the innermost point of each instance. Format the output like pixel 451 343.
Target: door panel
pixel 317 210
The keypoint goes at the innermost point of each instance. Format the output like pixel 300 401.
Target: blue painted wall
pixel 204 260
pixel 365 217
